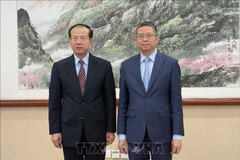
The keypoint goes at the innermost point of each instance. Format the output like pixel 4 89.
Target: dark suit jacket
pixel 159 110
pixel 69 112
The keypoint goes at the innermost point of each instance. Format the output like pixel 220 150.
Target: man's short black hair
pixel 150 24
pixel 83 25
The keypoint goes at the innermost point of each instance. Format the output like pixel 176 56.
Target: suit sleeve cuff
pixel 121 136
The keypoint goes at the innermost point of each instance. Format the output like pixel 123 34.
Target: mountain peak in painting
pixel 31 55
pixel 202 35
pixel 30 49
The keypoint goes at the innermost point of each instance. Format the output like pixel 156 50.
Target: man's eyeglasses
pixel 148 36
pixel 81 38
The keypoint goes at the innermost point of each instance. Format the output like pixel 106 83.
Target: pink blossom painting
pixel 203 35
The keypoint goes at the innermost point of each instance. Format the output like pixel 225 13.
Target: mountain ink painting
pixel 202 34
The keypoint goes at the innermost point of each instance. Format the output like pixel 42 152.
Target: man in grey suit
pixel 82 102
pixel 150 115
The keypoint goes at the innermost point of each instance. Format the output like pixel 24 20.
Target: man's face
pixel 80 41
pixel 146 40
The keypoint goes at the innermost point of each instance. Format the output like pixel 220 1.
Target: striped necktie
pixel 81 77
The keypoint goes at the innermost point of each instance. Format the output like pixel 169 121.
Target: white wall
pixel 212 133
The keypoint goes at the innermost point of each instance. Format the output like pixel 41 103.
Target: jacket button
pixel 82 104
pixel 81 119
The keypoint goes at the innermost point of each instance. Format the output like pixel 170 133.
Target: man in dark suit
pixel 150 116
pixel 82 102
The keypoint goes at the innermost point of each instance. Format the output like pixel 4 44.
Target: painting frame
pixel 9 66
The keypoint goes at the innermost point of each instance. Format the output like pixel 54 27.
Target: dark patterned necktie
pixel 81 77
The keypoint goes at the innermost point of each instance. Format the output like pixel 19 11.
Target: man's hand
pixel 110 138
pixel 122 146
pixel 176 146
pixel 57 140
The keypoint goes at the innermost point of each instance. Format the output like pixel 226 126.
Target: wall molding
pixel 186 101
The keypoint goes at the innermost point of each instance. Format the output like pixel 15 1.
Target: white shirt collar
pixel 85 59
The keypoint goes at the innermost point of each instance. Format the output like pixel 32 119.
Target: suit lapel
pixel 138 72
pixel 71 70
pixel 92 68
pixel 156 68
